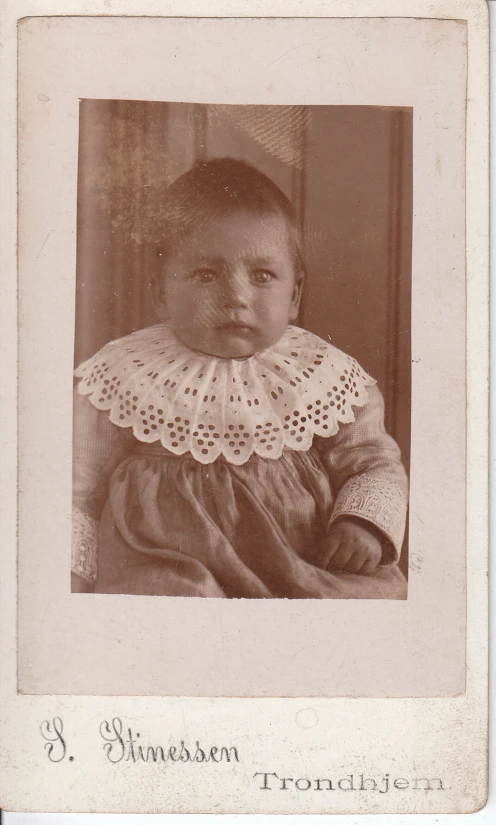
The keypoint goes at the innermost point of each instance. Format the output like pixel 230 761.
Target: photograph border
pixel 406 652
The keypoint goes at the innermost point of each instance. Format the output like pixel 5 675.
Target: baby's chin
pixel 236 344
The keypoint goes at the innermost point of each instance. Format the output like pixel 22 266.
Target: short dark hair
pixel 222 185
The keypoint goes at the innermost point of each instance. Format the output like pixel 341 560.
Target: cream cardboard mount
pixel 121 704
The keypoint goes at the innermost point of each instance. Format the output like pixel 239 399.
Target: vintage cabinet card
pixel 245 546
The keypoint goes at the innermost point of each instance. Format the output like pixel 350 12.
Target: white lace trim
pixel 208 406
pixel 84 545
pixel 377 500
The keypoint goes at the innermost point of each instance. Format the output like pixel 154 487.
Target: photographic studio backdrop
pixel 348 171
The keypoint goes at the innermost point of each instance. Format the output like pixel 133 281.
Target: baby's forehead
pixel 240 227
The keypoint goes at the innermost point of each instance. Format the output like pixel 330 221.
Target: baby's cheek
pixel 203 308
pixel 273 319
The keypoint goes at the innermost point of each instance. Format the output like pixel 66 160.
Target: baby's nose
pixel 235 293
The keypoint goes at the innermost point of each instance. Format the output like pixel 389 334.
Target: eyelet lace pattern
pixel 208 406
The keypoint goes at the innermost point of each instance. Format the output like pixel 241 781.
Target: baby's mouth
pixel 235 325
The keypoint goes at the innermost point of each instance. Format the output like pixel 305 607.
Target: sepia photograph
pixel 242 350
pixel 248 326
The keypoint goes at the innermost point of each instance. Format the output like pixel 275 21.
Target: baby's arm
pixel 364 464
pixel 98 447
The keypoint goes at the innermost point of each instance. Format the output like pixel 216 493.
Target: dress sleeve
pixel 98 447
pixel 366 473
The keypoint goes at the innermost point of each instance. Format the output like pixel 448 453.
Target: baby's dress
pixel 203 476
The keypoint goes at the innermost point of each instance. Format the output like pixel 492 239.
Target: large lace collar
pixel 209 406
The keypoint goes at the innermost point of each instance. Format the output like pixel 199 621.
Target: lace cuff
pixel 84 545
pixel 376 500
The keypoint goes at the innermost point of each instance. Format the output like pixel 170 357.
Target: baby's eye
pixel 262 276
pixel 204 276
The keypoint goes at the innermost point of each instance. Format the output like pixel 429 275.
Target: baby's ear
pixel 296 299
pixel 157 284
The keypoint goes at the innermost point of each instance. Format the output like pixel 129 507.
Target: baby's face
pixel 230 290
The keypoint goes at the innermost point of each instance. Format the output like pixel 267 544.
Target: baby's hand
pixel 352 548
pixel 79 585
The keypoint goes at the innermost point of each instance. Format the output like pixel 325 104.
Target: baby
pixel 225 452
